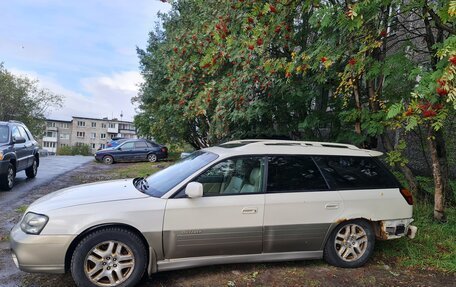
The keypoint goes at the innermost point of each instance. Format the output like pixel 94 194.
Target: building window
pixel 103 125
pixel 51 134
pixel 49 144
pixel 64 125
pixel 81 124
pixel 51 125
pixel 63 145
pixel 80 134
pixel 93 145
pixel 79 144
pixel 94 124
pixel 112 125
pixel 93 135
pixel 113 136
pixel 102 136
pixel 64 136
pixel 102 146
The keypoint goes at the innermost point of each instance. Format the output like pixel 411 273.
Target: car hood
pixel 88 194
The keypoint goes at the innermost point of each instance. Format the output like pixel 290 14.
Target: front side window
pixel 350 172
pixel 15 133
pixel 233 176
pixel 294 174
pixel 129 145
pixel 4 134
pixel 163 181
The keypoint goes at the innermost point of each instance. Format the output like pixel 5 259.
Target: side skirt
pixel 183 263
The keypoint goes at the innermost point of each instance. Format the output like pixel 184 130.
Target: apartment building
pixel 95 133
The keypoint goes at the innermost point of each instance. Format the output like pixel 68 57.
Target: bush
pixel 74 150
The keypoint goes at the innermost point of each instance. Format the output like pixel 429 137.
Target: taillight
pixel 407 195
pixel 164 149
pixel 109 144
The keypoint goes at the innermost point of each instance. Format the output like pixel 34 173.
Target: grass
pixel 21 209
pixel 434 247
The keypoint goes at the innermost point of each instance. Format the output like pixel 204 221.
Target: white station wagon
pixel 242 201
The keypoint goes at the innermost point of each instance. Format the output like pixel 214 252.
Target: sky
pixel 84 50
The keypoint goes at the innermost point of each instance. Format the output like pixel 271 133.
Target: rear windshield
pixel 4 134
pixel 349 172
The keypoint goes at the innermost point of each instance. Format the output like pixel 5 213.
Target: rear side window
pixel 140 145
pixel 294 174
pixel 347 172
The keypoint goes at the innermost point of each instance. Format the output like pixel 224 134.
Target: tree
pixel 21 99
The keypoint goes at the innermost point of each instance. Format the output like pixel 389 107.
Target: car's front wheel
pixel 350 244
pixel 7 180
pixel 109 257
pixel 32 170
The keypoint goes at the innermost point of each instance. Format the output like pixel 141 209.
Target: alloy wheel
pixel 351 242
pixel 109 263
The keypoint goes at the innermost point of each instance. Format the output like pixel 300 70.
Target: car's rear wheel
pixel 32 170
pixel 109 257
pixel 7 180
pixel 107 159
pixel 152 157
pixel 350 244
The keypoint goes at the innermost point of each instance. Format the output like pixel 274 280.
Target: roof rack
pixel 239 143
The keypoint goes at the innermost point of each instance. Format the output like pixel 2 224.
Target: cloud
pixel 103 96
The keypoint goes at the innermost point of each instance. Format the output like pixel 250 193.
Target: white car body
pixel 187 232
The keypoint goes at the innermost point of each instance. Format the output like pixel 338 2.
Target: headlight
pixel 33 223
pixel 1 155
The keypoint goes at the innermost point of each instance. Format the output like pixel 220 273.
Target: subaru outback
pixel 242 201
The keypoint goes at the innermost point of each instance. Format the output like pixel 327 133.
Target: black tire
pixel 7 179
pixel 79 260
pixel 152 157
pixel 107 159
pixel 32 170
pixel 349 247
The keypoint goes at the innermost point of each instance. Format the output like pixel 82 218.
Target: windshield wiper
pixel 141 184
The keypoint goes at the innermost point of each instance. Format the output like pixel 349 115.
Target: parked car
pixel 115 142
pixel 133 150
pixel 243 201
pixel 18 151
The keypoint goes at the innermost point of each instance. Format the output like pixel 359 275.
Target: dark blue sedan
pixel 133 150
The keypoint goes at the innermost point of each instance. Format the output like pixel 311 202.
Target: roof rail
pixel 14 121
pixel 289 142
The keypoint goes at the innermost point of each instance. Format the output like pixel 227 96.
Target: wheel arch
pixel 75 242
pixel 374 225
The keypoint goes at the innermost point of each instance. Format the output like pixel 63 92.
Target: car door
pixel 141 150
pixel 20 149
pixel 299 206
pixel 29 146
pixel 125 152
pixel 227 220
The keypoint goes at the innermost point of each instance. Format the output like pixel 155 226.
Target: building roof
pixel 260 146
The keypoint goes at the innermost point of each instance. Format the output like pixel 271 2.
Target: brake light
pixel 407 195
pixel 109 144
pixel 164 149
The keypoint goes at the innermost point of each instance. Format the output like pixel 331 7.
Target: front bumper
pixel 39 253
pixel 4 166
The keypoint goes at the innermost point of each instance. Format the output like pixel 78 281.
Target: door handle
pixel 249 210
pixel 332 206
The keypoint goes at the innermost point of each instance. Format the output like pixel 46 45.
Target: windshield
pixel 4 134
pixel 161 182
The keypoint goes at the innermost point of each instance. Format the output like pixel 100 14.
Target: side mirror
pixel 18 140
pixel 194 190
pixel 119 148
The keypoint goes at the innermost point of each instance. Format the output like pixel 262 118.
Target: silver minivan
pixel 242 201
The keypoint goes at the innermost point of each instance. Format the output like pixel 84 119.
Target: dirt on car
pixel 378 271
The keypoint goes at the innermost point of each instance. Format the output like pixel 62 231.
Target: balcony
pixel 49 139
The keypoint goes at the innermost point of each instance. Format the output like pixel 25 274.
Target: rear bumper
pixel 397 228
pixel 39 253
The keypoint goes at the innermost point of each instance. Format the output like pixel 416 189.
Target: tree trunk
pixel 439 203
pixel 443 160
pixel 413 184
pixel 358 107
